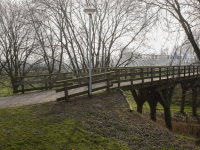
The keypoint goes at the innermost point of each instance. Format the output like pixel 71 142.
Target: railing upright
pixel 45 77
pixel 22 86
pixel 142 75
pixel 66 91
pixel 167 74
pixel 193 70
pixel 160 74
pixel 125 73
pixel 89 87
pixel 173 72
pixel 184 71
pixel 131 78
pixel 133 72
pixel 189 71
pixel 152 76
pixel 118 73
pixel 108 83
pixel 179 71
pixel 197 71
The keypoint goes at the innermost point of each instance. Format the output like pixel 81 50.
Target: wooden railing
pixel 117 76
pixel 98 78
pixel 39 82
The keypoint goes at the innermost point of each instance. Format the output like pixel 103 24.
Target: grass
pixel 103 122
pixel 25 128
pixel 5 90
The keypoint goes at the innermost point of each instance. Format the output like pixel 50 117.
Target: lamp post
pixel 90 11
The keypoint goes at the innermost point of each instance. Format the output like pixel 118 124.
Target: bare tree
pixel 16 41
pixel 186 13
pixel 115 26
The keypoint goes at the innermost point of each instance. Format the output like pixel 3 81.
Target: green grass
pixel 32 128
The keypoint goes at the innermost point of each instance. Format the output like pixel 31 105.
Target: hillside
pixel 103 122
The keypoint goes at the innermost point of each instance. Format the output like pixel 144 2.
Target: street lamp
pixel 90 11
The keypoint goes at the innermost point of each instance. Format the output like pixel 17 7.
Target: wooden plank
pixel 39 81
pixel 41 75
pixel 37 88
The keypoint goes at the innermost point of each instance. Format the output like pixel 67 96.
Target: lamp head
pixel 89 11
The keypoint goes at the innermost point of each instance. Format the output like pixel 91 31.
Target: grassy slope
pixel 103 122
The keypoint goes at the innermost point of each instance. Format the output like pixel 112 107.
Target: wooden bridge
pixel 151 84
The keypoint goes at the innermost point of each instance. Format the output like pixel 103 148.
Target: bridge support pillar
pixel 164 95
pixel 194 100
pixel 139 98
pixel 184 87
pixel 149 95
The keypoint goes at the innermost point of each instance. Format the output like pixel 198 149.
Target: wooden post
pixel 139 100
pixel 22 86
pixel 151 76
pixel 160 75
pixel 66 91
pixel 189 71
pixel 125 73
pixel 184 87
pixel 142 75
pixel 134 73
pixel 118 78
pixel 193 70
pixel 165 98
pixel 108 83
pixel 167 74
pixel 184 71
pixel 179 71
pixel 89 87
pixel 45 77
pixel 194 101
pixel 151 99
pixel 131 79
pixel 197 71
pixel 173 72
pixel 168 118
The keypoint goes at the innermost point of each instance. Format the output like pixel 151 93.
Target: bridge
pixel 150 83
